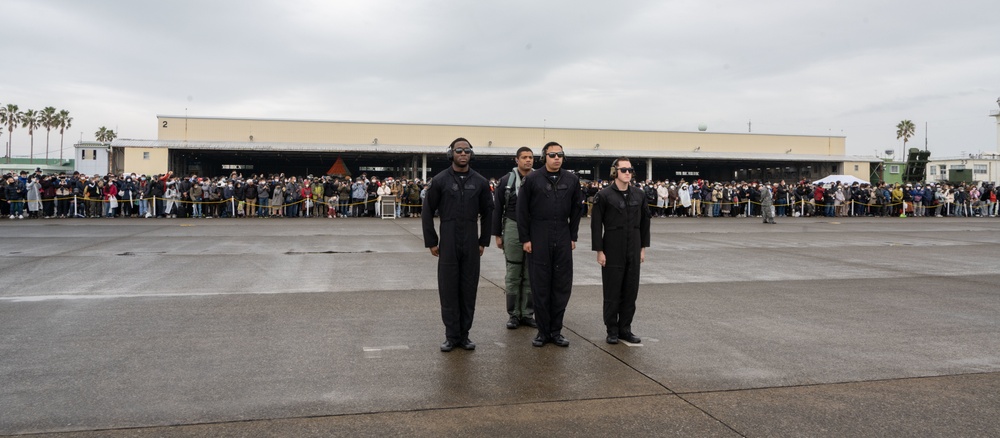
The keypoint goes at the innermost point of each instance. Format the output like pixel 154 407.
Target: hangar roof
pixel 493 151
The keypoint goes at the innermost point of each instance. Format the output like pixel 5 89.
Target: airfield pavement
pixel 316 327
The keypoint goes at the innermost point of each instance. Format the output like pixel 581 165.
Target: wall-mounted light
pixel 597 146
pixel 489 144
pixel 788 151
pixel 375 141
pixel 697 149
pixel 251 138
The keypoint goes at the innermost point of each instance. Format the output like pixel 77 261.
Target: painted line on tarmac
pixel 40 298
pixel 389 347
pixel 376 352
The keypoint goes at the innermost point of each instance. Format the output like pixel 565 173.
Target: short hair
pixel 523 149
pixel 452 145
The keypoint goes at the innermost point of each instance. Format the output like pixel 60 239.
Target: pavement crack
pixel 657 383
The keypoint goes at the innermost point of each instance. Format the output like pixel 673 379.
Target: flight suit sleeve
pixel 523 210
pixel 431 201
pixel 499 202
pixel 644 225
pixel 574 212
pixel 597 223
pixel 485 214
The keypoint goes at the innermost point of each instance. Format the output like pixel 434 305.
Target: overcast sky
pixel 850 68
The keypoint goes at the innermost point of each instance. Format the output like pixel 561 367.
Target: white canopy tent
pixel 844 179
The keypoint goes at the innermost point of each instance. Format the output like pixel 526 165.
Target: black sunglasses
pixel 626 169
pixel 556 154
pixel 462 150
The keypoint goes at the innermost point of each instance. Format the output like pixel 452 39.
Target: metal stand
pixel 388 207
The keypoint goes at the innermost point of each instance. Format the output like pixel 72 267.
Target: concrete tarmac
pixel 318 327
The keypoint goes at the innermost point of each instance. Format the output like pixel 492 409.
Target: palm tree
pixel 105 135
pixel 31 121
pixel 10 116
pixel 905 130
pixel 65 122
pixel 49 120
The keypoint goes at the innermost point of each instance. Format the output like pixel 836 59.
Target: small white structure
pixel 984 167
pixel 92 158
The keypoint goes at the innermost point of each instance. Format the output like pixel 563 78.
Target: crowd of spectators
pixel 702 198
pixel 37 195
pixel 169 195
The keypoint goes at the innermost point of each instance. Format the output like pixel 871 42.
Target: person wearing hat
pixel 619 230
pixel 277 198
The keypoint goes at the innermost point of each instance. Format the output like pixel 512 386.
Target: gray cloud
pixel 851 68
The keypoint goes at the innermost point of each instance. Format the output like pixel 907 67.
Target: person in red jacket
pixel 110 198
pixel 306 194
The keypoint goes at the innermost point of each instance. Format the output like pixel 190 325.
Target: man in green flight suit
pixel 519 308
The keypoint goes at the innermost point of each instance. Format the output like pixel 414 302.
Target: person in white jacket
pixel 383 190
pixel 685 194
pixel 172 196
pixel 662 193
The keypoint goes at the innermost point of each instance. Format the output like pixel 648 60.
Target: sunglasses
pixel 626 169
pixel 462 150
pixel 556 154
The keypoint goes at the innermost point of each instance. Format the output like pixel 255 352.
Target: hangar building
pixel 212 146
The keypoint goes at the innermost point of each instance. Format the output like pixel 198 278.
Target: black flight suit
pixel 619 226
pixel 460 200
pixel 548 216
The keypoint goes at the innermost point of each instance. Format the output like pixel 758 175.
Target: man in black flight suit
pixel 619 230
pixel 461 196
pixel 548 219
